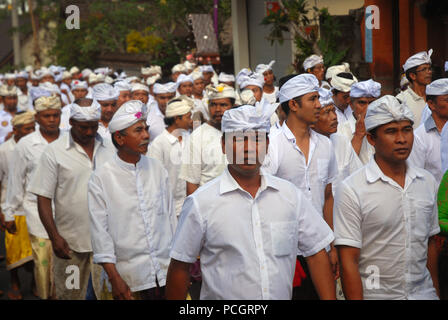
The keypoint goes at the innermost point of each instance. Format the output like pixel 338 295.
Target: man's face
pixel 245 151
pixel 309 108
pixel 141 95
pixel 268 77
pixel 79 93
pixel 175 75
pixel 23 130
pixel 440 106
pixel 217 108
pixel 423 74
pixel 67 81
pixel 49 120
pixel 185 122
pixel 341 99
pixel 21 83
pixel 10 82
pixel 84 131
pixel 359 106
pixel 319 71
pixel 136 140
pixel 47 78
pixel 108 108
pixel 123 97
pixel 10 103
pixel 35 82
pixel 163 98
pixel 258 92
pixel 186 88
pixel 198 87
pixel 207 77
pixel 328 121
pixel 393 141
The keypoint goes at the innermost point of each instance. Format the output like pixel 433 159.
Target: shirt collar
pixel 414 95
pixel 430 124
pixel 290 136
pixel 69 142
pixel 228 183
pixel 126 165
pixel 173 139
pixel 374 173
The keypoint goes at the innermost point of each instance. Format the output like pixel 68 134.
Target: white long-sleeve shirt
pixel 132 220
pixel 6 151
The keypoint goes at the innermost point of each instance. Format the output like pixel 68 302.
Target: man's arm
pixel 328 217
pixel 432 263
pixel 60 246
pixel 191 187
pixel 350 277
pixel 358 136
pixel 178 280
pixel 120 289
pixel 321 274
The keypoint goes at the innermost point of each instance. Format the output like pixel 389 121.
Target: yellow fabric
pixel 18 246
pixel 43 266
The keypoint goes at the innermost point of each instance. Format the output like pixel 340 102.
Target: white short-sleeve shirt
pixel 414 102
pixel 6 152
pixel 5 125
pixel 248 246
pixel 391 226
pixel 155 121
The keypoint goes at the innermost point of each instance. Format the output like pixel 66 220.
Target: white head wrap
pixel 127 115
pixel 139 87
pixel 404 81
pixel 145 71
pixel 311 61
pixel 47 102
pixel 29 69
pixel 189 65
pixel 342 84
pixel 86 72
pixel 151 80
pixel 169 87
pixel 325 97
pixel 109 80
pixel 66 75
pixel 122 86
pixel 77 84
pixel 74 70
pixel 241 75
pixel 183 78
pixel 298 86
pixel 22 74
pixel 437 87
pixel 224 77
pixel 254 79
pixel 446 66
pixel 10 76
pixel 34 76
pixel 261 68
pixel 8 91
pixel 22 118
pixel 104 71
pixel 104 92
pixel 207 68
pixel 248 117
pixel 195 75
pixel 247 97
pixel 58 77
pixel 220 91
pixel 152 70
pixel 331 71
pixel 367 88
pixel 384 110
pixel 179 106
pixel 94 78
pixel 418 59
pixel 37 92
pixel 92 113
pixel 178 68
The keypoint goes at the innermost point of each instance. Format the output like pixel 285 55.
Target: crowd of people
pixel 207 186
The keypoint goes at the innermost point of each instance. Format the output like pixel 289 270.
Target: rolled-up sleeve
pixel 45 178
pixel 15 190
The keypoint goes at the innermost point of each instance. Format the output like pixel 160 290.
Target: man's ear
pixel 431 105
pixel 292 104
pixel 370 139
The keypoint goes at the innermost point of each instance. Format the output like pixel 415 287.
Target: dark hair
pixel 345 75
pixel 122 132
pixel 83 102
pixel 284 79
pixel 409 71
pixel 335 91
pixel 373 131
pixel 285 104
pixel 433 98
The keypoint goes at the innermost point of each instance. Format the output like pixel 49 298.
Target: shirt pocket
pixel 421 215
pixel 322 169
pixel 283 235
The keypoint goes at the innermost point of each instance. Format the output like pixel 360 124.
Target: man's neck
pixel 394 170
pixel 419 89
pixel 299 129
pixel 198 96
pixel 11 111
pixel 16 138
pixel 105 124
pixel 440 122
pixel 250 182
pixel 129 157
pixel 49 136
pixel 215 125
pixel 268 88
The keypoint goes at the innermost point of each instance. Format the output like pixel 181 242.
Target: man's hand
pixel 120 289
pixel 334 261
pixel 2 222
pixel 360 127
pixel 60 247
pixel 11 227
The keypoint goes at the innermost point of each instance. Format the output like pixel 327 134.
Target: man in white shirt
pixel 215 220
pixel 106 96
pixel 25 159
pixel 253 82
pixel 361 94
pixel 131 238
pixel 301 155
pixel 200 112
pixel 61 179
pixel 17 242
pixel 202 159
pixel 426 152
pixel 22 94
pixel 314 65
pixel 162 94
pixel 269 89
pixel 327 125
pixel 341 85
pixel 124 92
pixel 419 73
pixel 184 85
pixel 9 96
pixel 386 215
pixel 168 146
